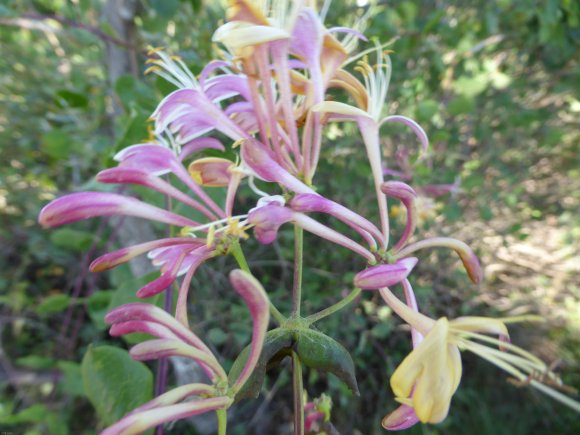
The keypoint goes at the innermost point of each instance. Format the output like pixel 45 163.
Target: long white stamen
pixel 252 184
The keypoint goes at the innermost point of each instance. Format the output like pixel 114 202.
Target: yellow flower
pixel 429 376
pixel 433 369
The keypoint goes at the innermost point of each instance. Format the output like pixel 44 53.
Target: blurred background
pixel 494 84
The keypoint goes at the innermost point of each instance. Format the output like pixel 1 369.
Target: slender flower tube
pixel 384 275
pixel 268 219
pixel 308 202
pixel 159 160
pixel 259 159
pixel 467 256
pixel 257 302
pixel 85 205
pixel 175 339
pixel 141 421
pixel 406 195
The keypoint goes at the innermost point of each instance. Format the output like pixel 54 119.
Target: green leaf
pixel 56 144
pixel 460 105
pixel 35 362
pixel 115 383
pixel 98 305
pixel 33 414
pixel 72 240
pixel 471 86
pixel 135 130
pixel 426 110
pixel 53 304
pixel 165 8
pixel 72 99
pixel 277 345
pixel 319 351
pixel 72 380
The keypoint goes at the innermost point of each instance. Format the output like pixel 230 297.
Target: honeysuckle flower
pixel 429 376
pixel 368 118
pixel 143 164
pixel 260 160
pixel 268 219
pixel 211 171
pixel 466 254
pixel 158 160
pixel 176 339
pixel 407 196
pixel 401 418
pixel 308 202
pixel 193 109
pixel 384 275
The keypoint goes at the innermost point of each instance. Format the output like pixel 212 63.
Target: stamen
pixel 252 184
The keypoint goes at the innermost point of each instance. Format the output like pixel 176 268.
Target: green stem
pixel 298 260
pixel 298 387
pixel 222 418
pixel 236 251
pixel 333 308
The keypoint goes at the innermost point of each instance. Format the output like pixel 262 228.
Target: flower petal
pixel 434 369
pixel 211 171
pixel 384 275
pixel 164 347
pixel 151 313
pixel 113 259
pixel 259 159
pixel 466 254
pixel 267 220
pixel 140 422
pixel 257 302
pixel 85 205
pixel 309 202
pixel 335 107
pixel 400 419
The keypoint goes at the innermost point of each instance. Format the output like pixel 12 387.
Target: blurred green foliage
pixel 494 84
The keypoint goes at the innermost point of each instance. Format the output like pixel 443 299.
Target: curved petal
pixel 154 158
pixel 385 275
pixel 123 175
pixel 160 348
pixel 309 202
pixel 113 259
pixel 85 205
pixel 433 369
pixel 175 395
pixel 211 171
pixel 267 220
pixel 140 422
pixel 466 254
pixel 257 302
pixel 259 159
pixel 335 107
pixel 401 418
pixel 198 144
pixel 151 313
pixel 417 129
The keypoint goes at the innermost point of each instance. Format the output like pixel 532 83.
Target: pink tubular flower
pixel 466 254
pixel 268 219
pixel 175 339
pixel 175 256
pixel 315 203
pixel 384 275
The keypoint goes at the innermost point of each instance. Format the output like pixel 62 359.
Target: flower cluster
pixel 266 99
